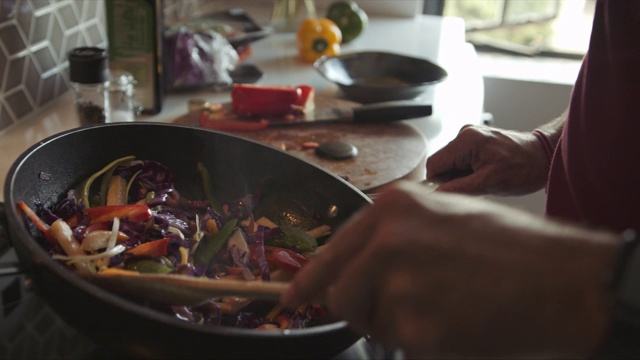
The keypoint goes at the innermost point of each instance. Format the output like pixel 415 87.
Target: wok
pixel 46 171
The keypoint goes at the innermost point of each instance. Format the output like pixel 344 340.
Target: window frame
pixel 436 7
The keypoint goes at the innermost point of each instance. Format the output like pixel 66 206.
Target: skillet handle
pixel 8 269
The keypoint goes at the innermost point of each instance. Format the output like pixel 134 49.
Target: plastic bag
pixel 197 57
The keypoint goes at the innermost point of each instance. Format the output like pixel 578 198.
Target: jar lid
pixel 88 65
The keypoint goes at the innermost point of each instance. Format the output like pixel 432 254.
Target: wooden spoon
pixel 182 289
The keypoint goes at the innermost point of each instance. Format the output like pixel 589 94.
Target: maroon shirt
pixel 595 170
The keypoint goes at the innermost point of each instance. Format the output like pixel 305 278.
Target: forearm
pixel 549 133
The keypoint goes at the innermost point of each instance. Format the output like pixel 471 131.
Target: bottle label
pixel 133 30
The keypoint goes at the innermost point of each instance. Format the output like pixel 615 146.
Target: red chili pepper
pixel 39 223
pixel 136 212
pixel 230 125
pixel 283 321
pixel 234 270
pixel 285 259
pixel 249 228
pixel 73 220
pixel 310 145
pixel 251 99
pixel 155 248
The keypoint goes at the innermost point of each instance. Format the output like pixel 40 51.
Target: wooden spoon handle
pixel 181 289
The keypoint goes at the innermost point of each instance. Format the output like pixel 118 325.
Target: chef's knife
pixel 383 112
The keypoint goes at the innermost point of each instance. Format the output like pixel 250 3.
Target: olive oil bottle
pixel 134 33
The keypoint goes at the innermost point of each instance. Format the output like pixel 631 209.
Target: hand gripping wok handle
pixel 390 111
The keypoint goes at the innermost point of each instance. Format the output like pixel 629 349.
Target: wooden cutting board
pixel 386 152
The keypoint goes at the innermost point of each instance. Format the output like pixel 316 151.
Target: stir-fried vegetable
pixel 44 228
pixel 98 239
pixel 154 248
pixel 136 212
pixel 85 187
pixel 139 222
pixel 63 234
pixel 211 245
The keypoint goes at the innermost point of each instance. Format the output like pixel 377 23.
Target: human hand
pixel 497 162
pixel 449 275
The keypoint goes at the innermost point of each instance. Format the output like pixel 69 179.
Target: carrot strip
pixel 39 223
pixel 152 248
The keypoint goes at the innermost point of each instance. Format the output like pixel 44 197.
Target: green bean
pixel 210 245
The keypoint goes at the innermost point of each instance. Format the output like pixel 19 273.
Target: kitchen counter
pixel 456 101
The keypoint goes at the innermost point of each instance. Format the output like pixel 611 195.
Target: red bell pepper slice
pixel 251 99
pixel 155 248
pixel 230 125
pixel 285 259
pixel 234 270
pixel 307 97
pixel 135 212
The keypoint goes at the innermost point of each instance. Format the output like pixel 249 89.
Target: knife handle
pixel 390 111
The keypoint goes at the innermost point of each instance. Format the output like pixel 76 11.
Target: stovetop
pixel 30 329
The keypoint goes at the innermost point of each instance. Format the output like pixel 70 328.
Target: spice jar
pixel 122 101
pixel 88 74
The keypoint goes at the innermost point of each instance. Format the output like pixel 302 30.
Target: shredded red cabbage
pixel 153 185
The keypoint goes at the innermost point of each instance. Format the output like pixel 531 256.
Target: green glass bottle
pixel 134 32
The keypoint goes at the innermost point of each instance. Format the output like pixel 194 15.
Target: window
pixel 558 28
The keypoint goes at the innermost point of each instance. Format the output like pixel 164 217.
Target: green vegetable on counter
pixel 349 17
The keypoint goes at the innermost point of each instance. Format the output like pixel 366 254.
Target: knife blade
pixel 377 113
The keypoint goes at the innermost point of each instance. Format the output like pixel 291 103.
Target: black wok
pixel 50 168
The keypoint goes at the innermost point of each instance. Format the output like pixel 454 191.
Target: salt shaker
pixel 124 106
pixel 89 77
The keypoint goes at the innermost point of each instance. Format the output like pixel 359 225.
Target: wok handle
pixel 5 244
pixel 10 268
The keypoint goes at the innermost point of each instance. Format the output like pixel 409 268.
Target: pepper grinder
pixel 89 77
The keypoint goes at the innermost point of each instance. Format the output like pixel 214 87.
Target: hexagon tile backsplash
pixel 35 36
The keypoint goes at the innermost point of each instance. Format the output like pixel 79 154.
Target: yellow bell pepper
pixel 318 37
